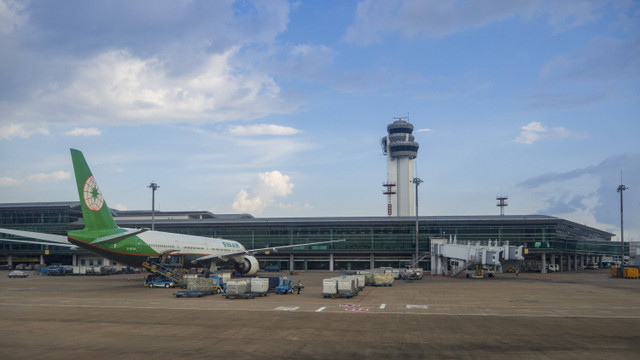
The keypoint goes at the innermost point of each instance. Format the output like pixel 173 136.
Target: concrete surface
pixel 578 315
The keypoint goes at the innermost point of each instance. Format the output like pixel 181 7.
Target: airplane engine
pixel 248 265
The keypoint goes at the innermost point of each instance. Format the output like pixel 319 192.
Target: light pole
pixel 153 186
pixel 417 181
pixel 621 188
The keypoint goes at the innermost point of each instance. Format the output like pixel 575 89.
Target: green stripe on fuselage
pixel 131 251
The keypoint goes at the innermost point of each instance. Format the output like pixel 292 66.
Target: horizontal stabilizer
pixel 36 235
pixel 119 236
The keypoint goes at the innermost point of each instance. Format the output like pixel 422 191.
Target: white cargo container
pixel 238 287
pixel 330 286
pixel 260 286
pixel 359 279
pixel 347 285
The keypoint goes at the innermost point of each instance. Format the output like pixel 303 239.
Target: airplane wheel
pixel 166 286
pixel 150 285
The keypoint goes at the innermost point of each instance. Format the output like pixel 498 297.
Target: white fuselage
pixel 179 244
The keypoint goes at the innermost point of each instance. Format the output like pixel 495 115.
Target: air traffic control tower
pixel 401 148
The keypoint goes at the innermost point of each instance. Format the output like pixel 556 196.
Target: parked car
pixel 18 274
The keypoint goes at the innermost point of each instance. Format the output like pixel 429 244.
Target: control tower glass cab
pixel 400 148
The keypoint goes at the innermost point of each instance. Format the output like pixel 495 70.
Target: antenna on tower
pixel 502 202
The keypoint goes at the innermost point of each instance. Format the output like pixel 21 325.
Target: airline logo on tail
pixel 92 195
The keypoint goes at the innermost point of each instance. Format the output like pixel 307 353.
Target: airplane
pixel 133 247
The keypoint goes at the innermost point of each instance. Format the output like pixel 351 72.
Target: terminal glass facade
pixel 382 241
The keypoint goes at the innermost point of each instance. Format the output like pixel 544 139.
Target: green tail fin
pixel 95 212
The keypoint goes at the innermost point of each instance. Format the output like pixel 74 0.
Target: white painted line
pixel 322 308
pixel 417 307
pixel 383 306
pixel 284 308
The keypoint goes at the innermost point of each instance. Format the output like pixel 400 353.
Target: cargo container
pixel 383 279
pixel 630 273
pixel 260 286
pixel 360 280
pixel 203 284
pixel 347 285
pixel 330 286
pixel 344 286
pixel 274 281
pixel 239 288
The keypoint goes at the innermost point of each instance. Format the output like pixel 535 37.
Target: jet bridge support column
pixel 291 263
pixel 544 264
pixel 330 262
pixel 372 262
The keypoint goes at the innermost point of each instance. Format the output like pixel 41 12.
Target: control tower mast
pixel 400 148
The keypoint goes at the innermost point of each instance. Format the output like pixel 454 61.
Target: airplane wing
pixel 58 239
pixel 226 256
pixel 71 246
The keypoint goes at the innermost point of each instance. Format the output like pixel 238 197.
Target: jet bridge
pixel 448 257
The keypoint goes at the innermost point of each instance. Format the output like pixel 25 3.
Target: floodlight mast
pixel 153 186
pixel 620 189
pixel 417 181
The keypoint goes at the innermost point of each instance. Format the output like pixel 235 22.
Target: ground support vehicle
pixel 165 271
pixel 158 281
pixel 411 274
pixel 285 286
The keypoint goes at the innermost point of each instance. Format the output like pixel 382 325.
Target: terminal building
pixel 371 241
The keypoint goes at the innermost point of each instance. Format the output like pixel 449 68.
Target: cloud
pixel 118 88
pixel 262 129
pixel 11 16
pixel 601 59
pixel 120 207
pixel 602 201
pixel 434 19
pixel 8 181
pixel 268 186
pixel 168 62
pixel 423 130
pixel 49 177
pixel 23 131
pixel 564 100
pixel 84 132
pixel 534 131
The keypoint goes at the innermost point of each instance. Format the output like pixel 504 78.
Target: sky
pixel 276 108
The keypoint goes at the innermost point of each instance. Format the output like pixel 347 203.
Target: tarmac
pixel 569 315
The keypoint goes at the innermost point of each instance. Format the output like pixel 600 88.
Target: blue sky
pixel 276 108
